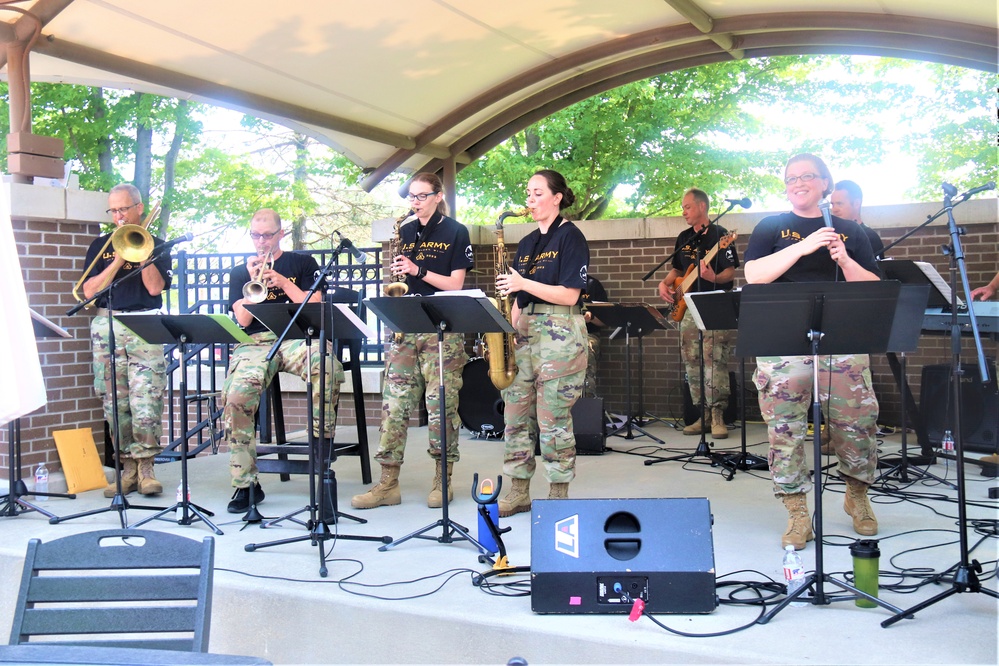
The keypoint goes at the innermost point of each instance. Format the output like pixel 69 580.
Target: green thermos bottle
pixel 865 569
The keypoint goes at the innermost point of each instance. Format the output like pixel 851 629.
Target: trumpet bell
pixel 132 243
pixel 255 291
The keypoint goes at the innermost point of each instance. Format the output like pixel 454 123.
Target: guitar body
pixel 680 285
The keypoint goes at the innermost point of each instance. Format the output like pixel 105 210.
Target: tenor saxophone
pixel 500 350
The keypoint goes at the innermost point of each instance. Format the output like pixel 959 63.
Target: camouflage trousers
pixel 717 351
pixel 592 356
pixel 140 379
pixel 249 374
pixel 411 368
pixel 551 366
pixel 848 405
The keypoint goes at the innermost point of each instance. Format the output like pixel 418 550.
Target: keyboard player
pixel 988 291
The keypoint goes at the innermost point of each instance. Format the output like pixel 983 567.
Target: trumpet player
pixel 140 368
pixel 547 279
pixel 286 277
pixel 435 253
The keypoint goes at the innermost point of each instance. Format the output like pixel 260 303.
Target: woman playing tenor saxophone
pixel 547 278
pixel 434 255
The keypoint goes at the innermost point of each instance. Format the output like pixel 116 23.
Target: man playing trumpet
pixel 140 368
pixel 287 280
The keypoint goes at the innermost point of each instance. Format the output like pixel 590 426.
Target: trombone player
pixel 140 368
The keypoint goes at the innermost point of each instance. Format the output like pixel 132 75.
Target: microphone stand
pixel 118 502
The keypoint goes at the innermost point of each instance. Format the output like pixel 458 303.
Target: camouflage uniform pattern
pixel 592 356
pixel 717 351
pixel 249 374
pixel 849 406
pixel 411 367
pixel 551 367
pixel 141 381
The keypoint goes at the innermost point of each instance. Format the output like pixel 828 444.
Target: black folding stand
pixel 636 320
pixel 814 315
pixel 719 311
pixel 904 338
pixel 12 502
pixel 183 330
pixel 294 321
pixel 440 314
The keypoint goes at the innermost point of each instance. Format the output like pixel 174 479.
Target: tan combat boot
pixel 435 496
pixel 799 523
pixel 517 500
pixel 384 493
pixel 558 491
pixel 859 508
pixel 148 485
pixel 827 448
pixel 718 428
pixel 129 479
pixel 695 428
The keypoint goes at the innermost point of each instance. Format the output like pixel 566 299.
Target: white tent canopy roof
pixel 404 85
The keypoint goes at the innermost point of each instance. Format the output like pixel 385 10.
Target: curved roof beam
pixel 953 43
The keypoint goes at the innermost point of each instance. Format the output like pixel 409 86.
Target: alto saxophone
pixel 500 350
pixel 396 284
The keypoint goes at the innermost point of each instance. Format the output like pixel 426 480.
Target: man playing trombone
pixel 273 276
pixel 140 368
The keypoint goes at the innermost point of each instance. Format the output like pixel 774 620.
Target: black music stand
pixel 183 330
pixel 636 320
pixel 306 321
pixel 439 314
pixel 905 332
pixel 719 311
pixel 814 317
pixel 12 502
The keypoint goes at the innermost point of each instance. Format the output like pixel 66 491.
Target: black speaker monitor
pixel 587 553
pixel 979 407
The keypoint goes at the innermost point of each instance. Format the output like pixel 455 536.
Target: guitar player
pixel 706 257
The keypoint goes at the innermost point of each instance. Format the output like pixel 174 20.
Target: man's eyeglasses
pixel 266 237
pixel 420 197
pixel 120 211
pixel 805 177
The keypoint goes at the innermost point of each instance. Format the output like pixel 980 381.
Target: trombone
pixel 131 242
pixel 255 290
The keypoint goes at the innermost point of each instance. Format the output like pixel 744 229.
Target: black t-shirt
pixel 776 232
pixel 594 292
pixel 689 245
pixel 877 245
pixel 442 246
pixel 559 257
pixel 301 269
pixel 130 295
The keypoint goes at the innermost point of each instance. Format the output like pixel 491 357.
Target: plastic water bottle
pixel 948 441
pixel 794 574
pixel 180 498
pixel 41 481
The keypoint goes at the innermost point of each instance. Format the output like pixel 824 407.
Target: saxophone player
pixel 435 253
pixel 547 277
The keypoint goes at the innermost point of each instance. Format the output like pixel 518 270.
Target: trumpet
pixel 396 285
pixel 255 290
pixel 131 242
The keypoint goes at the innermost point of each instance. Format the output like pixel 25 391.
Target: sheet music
pixel 49 325
pixel 474 293
pixel 937 281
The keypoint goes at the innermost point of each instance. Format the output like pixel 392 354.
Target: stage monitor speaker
pixel 588 426
pixel 979 407
pixel 587 553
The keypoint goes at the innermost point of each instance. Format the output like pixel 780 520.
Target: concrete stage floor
pixel 372 609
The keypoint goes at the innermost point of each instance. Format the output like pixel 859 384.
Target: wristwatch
pixel 422 273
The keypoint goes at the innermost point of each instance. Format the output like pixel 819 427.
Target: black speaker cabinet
pixel 587 553
pixel 979 407
pixel 588 426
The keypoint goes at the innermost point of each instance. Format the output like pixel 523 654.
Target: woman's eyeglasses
pixel 420 197
pixel 805 177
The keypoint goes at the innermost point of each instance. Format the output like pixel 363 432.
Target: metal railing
pixel 201 286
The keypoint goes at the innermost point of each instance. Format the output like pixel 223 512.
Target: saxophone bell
pixel 396 284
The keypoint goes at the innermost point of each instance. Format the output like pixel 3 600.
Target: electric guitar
pixel 682 284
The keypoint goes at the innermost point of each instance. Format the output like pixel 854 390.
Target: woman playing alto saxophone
pixel 434 255
pixel 547 279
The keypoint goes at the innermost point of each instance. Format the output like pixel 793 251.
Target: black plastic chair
pixel 117 588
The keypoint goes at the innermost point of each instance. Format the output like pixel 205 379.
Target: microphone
pixel 981 188
pixel 359 257
pixel 824 207
pixel 177 241
pixel 744 202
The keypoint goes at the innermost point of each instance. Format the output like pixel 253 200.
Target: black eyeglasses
pixel 420 197
pixel 267 236
pixel 120 211
pixel 805 177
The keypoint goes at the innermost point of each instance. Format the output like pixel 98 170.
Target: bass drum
pixel 480 405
